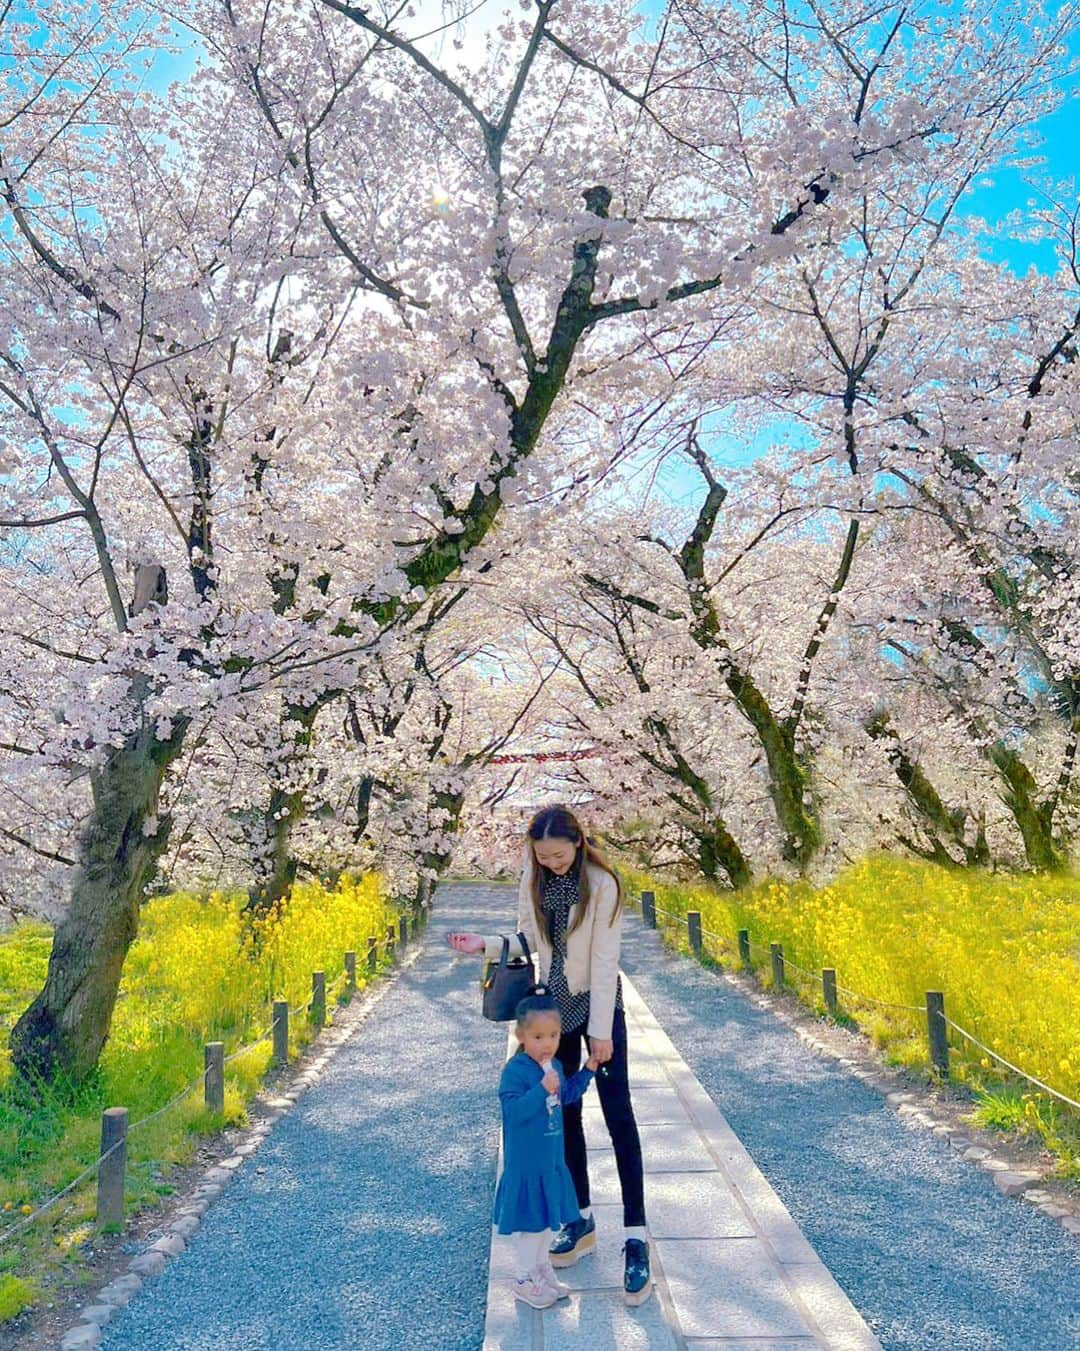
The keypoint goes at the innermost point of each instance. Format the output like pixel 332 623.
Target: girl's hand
pixel 471 943
pixel 602 1051
pixel 551 1082
pixel 592 1063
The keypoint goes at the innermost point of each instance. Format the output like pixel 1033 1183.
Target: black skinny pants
pixel 613 1086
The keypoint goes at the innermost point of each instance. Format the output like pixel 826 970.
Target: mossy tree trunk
pixel 277 866
pixel 64 1029
pixel 1034 819
pixel 718 852
pixel 445 806
pixel 719 855
pixel 789 779
pixel 942 825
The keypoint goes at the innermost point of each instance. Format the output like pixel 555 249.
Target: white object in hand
pixel 552 1098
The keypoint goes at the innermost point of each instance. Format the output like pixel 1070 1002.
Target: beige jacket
pixel 592 950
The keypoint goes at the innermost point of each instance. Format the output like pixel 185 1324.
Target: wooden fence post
pixel 648 909
pixel 110 1178
pixel 776 952
pixel 403 930
pixel 828 985
pixel 693 924
pixel 372 953
pixel 281 1033
pixel 938 1031
pixel 318 998
pixel 744 949
pixel 350 972
pixel 214 1076
pixel 391 930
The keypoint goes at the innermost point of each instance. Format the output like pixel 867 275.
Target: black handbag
pixel 506 982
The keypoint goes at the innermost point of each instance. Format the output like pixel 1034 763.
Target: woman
pixel 570 910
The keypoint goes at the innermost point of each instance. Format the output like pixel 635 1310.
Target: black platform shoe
pixel 573 1242
pixel 637 1281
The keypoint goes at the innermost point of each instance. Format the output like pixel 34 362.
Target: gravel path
pixel 933 1257
pixel 364 1220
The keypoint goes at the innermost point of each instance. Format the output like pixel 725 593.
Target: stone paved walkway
pixel 731 1267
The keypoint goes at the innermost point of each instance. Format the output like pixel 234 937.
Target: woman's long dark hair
pixel 560 823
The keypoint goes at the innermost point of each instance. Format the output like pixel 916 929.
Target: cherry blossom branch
pixel 36 849
pixel 404 45
pixel 30 406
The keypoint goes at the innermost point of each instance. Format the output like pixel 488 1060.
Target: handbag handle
pixel 504 957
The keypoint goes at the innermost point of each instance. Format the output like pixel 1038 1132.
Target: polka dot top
pixel 558 895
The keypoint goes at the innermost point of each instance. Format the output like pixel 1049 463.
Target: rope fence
pixel 111 1163
pixel 1061 1097
pixel 934 1008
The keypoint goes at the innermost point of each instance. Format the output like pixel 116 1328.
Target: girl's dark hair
pixel 560 823
pixel 538 1000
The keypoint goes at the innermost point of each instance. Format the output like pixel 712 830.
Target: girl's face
pixel 556 854
pixel 540 1036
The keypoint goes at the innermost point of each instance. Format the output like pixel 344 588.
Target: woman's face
pixel 556 854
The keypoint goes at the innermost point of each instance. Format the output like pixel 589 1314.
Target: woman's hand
pixel 471 943
pixel 602 1051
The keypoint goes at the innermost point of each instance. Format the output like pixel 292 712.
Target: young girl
pixel 535 1194
pixel 569 908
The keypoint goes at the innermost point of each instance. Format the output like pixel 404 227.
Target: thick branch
pixel 798 705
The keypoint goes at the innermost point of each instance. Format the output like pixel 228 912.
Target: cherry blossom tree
pixel 286 349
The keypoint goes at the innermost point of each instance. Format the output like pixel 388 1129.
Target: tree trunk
pixel 1033 820
pixel 719 853
pixel 938 820
pixel 788 779
pixel 280 866
pixel 276 869
pixel 64 1029
pixel 438 860
pixel 364 793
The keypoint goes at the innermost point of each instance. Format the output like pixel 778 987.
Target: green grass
pixel 199 971
pixel 15 1296
pixel 1004 949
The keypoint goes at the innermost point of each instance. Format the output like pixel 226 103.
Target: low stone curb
pixel 1008 1179
pixel 88 1332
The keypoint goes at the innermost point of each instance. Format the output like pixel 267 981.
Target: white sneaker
pixel 534 1292
pixel 545 1274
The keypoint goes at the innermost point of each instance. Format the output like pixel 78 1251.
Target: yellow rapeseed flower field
pixel 200 970
pixel 1004 949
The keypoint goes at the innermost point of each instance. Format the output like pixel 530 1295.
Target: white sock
pixel 637 1231
pixel 529 1252
pixel 586 1212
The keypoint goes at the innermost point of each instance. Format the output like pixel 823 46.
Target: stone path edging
pixel 87 1333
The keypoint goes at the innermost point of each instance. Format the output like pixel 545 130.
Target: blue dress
pixel 536 1191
